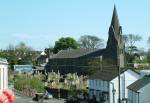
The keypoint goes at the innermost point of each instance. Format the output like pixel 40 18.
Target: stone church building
pixel 84 61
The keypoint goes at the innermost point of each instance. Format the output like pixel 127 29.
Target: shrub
pixel 33 83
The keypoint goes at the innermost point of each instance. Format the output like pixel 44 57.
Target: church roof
pixel 72 53
pixel 137 85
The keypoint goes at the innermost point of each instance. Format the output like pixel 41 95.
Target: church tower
pixel 115 43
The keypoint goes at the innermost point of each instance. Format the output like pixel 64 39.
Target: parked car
pixel 47 95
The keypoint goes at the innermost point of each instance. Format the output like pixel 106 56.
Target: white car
pixel 47 95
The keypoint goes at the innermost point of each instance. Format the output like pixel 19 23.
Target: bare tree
pixel 25 54
pixel 90 42
pixel 130 40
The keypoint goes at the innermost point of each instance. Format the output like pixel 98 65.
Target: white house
pixel 104 85
pixel 42 59
pixel 3 74
pixel 139 91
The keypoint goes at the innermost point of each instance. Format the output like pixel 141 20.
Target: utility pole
pixel 118 66
pixel 119 84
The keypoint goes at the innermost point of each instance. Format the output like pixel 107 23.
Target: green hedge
pixel 32 83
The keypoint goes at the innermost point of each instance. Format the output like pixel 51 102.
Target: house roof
pixel 43 53
pixel 2 60
pixel 107 73
pixel 137 85
pixel 73 53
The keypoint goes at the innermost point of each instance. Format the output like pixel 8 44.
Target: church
pixel 85 61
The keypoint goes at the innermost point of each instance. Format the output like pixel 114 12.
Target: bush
pixel 33 83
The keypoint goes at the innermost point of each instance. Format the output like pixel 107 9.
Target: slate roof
pixel 137 85
pixel 107 73
pixel 73 53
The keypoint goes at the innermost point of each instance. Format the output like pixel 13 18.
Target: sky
pixel 39 23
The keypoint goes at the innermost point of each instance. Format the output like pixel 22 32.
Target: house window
pixel 90 82
pixel 91 93
pixel 99 83
pixel 96 82
pixel 93 82
pixel 97 94
pixel 103 83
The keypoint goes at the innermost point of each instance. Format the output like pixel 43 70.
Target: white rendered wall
pixel 3 75
pixel 130 77
pixel 126 78
pixel 132 97
pixel 144 94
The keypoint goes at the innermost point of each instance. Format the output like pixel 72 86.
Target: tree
pixel 90 42
pixel 65 43
pixel 19 54
pixel 148 42
pixel 11 55
pixel 25 54
pixel 130 40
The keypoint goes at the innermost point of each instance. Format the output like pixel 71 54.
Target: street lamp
pixel 119 84
pixel 113 91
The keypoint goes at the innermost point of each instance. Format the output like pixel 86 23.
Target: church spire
pixel 115 21
pixel 115 30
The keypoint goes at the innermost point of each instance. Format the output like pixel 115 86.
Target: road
pixel 22 99
pixel 29 100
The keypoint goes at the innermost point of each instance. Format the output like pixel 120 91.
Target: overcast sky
pixel 40 23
